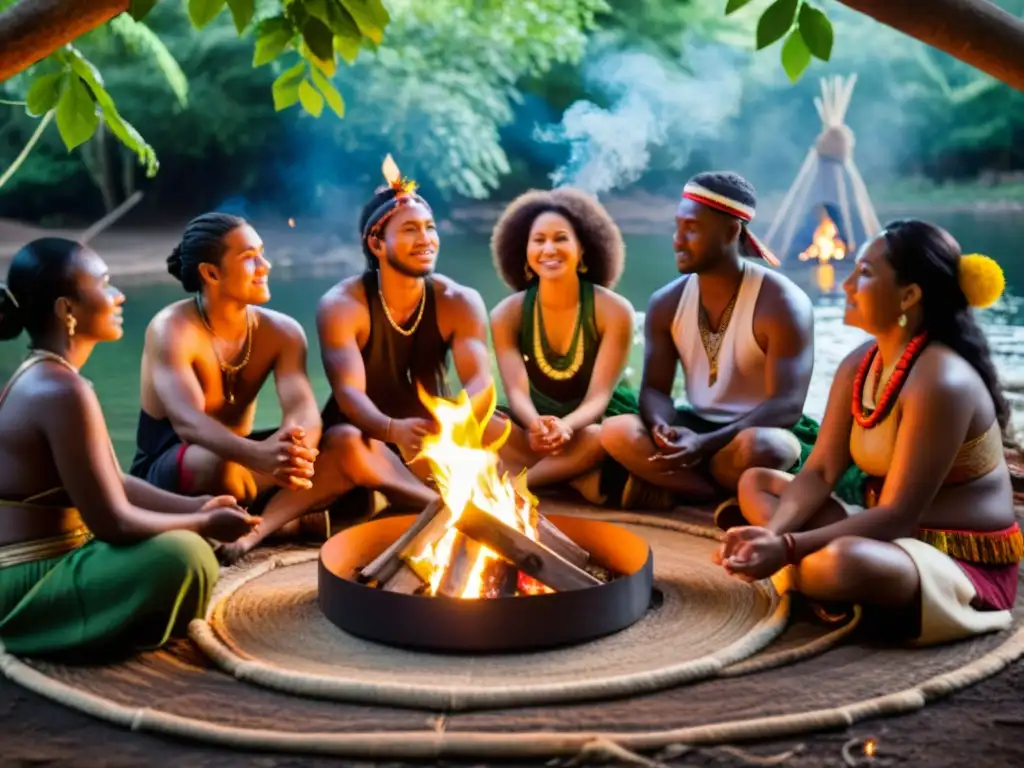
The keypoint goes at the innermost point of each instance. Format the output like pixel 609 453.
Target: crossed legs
pixel 628 441
pixel 849 569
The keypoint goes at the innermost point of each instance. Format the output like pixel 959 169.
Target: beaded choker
pixel 892 387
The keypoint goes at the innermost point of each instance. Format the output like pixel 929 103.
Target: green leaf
pixel 319 38
pixel 311 99
pixel 776 21
pixel 120 127
pixel 370 17
pixel 327 66
pixel 242 12
pixel 272 37
pixel 734 5
pixel 76 113
pixel 202 12
pixel 347 37
pixel 795 55
pixel 139 8
pixel 43 94
pixel 331 94
pixel 286 87
pixel 816 30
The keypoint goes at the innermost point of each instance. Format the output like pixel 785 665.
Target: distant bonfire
pixel 827 212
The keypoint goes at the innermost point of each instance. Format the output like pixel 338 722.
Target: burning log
pixel 387 563
pixel 405 580
pixel 472 573
pixel 553 538
pixel 530 557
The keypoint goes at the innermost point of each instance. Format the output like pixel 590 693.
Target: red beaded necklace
pixel 892 386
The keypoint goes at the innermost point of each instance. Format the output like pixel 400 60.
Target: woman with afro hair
pixel 563 338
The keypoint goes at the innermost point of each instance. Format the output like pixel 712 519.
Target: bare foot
pixel 229 554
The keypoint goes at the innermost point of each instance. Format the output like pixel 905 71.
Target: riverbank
pixel 137 253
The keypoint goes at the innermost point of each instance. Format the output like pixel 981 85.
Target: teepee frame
pixel 828 171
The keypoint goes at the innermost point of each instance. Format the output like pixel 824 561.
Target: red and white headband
pixel 744 213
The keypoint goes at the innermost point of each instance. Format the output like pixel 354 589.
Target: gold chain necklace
pixel 712 340
pixel 387 312
pixel 45 354
pixel 538 346
pixel 229 371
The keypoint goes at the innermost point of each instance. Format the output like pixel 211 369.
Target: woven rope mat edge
pixel 215 643
pixel 412 745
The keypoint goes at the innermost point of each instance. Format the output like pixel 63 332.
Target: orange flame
pixel 467 472
pixel 826 245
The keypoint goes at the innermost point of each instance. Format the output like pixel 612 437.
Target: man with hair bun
pixel 744 337
pixel 389 329
pixel 204 363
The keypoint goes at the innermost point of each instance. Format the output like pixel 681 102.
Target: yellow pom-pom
pixel 981 280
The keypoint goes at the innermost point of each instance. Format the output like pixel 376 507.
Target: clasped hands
pixel 679 448
pixel 286 457
pixel 548 435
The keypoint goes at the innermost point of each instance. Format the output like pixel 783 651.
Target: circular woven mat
pixel 265 626
pixel 803 681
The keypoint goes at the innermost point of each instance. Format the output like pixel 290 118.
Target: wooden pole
pixel 977 32
pixel 33 29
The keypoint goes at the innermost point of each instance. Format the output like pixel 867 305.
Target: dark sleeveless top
pixel 394 362
pixel 551 396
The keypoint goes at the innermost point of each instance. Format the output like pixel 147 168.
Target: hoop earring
pixel 528 272
pixel 903 320
pixel 70 323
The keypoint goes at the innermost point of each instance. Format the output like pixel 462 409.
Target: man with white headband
pixel 744 336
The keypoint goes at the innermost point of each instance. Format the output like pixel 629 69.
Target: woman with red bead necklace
pixel 936 549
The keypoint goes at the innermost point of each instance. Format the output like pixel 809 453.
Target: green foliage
pixel 796 56
pixel 816 31
pixel 806 29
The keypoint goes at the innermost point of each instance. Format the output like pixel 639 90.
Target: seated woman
pixel 90 559
pixel 563 339
pixel 937 550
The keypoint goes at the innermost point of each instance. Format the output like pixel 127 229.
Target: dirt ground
pixel 984 723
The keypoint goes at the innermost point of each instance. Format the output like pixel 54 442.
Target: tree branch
pixel 33 29
pixel 976 32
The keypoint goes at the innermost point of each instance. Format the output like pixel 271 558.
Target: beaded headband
pixel 744 213
pixel 405 193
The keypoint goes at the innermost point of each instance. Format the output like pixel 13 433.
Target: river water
pixel 114 368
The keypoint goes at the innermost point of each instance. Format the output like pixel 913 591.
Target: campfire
pixel 485 537
pixel 826 245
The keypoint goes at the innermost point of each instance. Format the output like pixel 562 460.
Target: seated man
pixel 203 365
pixel 744 336
pixel 383 331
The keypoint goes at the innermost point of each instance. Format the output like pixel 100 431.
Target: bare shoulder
pixel 59 395
pixel 611 306
pixel 509 310
pixel 664 302
pixel 345 300
pixel 944 374
pixel 175 321
pixel 784 301
pixel 283 327
pixel 847 369
pixel 456 297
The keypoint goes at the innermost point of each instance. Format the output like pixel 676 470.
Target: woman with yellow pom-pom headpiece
pixel 918 410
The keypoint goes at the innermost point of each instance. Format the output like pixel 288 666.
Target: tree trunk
pixel 33 29
pixel 976 32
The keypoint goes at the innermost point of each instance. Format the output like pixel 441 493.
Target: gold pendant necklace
pixel 712 340
pixel 229 371
pixel 538 345
pixel 387 312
